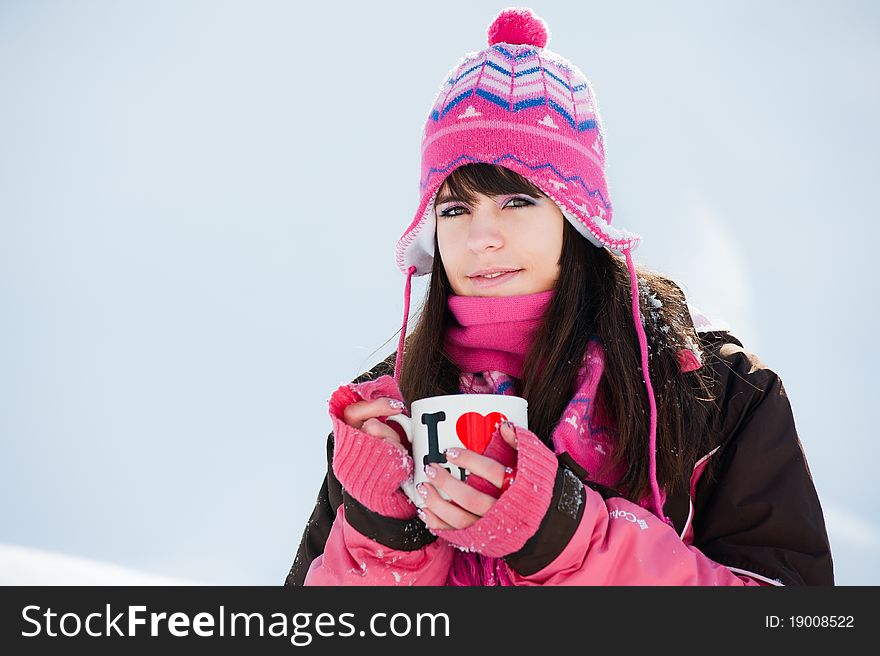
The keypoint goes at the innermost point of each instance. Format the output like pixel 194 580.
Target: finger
pixel 431 520
pixel 357 413
pixel 508 432
pixel 463 495
pixel 476 463
pixel 401 432
pixel 375 427
pixel 446 514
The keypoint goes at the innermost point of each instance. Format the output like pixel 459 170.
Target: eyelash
pixel 445 213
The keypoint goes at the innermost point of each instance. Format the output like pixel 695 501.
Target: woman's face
pixel 516 233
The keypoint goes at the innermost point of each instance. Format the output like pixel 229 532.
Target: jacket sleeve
pixel 609 540
pixel 364 547
pixel 346 543
pixel 763 514
pixel 352 558
pixel 758 521
pixel 317 529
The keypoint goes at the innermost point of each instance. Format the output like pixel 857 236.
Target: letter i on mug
pixel 461 420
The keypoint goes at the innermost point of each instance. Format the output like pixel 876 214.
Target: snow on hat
pixel 519 105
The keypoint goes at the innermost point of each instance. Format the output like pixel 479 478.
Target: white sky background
pixel 199 203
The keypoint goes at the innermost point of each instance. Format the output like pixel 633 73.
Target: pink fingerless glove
pixel 369 468
pixel 518 512
pixel 499 450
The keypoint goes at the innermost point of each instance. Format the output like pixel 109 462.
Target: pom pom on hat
pixel 518 26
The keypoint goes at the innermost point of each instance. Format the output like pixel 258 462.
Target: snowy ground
pixel 27 566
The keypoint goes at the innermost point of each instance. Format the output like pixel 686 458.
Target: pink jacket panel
pixel 620 543
pixel 351 558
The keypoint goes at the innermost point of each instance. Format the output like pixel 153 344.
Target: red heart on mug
pixel 475 430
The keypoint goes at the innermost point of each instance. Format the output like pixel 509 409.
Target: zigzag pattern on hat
pixel 539 167
pixel 544 80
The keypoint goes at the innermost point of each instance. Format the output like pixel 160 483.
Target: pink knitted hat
pixel 519 105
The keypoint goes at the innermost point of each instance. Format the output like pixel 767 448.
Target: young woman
pixel 659 451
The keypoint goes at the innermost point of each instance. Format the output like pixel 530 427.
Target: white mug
pixel 461 420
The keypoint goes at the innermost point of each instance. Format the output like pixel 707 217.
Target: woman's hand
pixel 367 417
pixel 370 459
pixel 467 504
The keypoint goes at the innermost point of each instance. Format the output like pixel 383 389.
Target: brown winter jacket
pixel 757 514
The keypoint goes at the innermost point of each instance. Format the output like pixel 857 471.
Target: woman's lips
pixel 481 283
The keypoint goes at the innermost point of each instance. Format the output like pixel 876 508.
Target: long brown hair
pixel 592 297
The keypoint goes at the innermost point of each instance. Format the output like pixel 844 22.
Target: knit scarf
pixel 494 332
pixel 488 342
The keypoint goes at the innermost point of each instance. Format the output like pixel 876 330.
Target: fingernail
pixel 509 424
pixel 394 403
pixel 451 452
pixel 430 471
pixel 422 490
pixel 420 513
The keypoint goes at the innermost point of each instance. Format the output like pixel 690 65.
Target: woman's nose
pixel 485 232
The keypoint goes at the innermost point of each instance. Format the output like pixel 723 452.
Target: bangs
pixel 465 182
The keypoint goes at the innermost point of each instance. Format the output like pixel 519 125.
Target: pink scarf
pixel 494 332
pixel 488 342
